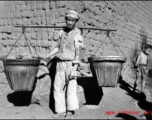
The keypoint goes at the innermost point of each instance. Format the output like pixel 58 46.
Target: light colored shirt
pixel 142 59
pixel 71 43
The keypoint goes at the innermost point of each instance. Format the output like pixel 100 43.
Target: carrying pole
pixel 62 27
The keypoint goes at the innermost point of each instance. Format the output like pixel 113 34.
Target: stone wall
pixel 127 17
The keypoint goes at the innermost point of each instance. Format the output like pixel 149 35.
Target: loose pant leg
pixel 143 77
pixel 59 93
pixel 72 100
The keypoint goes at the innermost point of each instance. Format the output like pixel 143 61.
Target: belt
pixel 142 65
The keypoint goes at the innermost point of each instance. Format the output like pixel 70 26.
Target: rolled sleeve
pixel 79 45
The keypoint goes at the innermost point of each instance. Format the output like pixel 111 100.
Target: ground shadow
pixel 92 91
pixel 21 98
pixel 126 116
pixel 141 98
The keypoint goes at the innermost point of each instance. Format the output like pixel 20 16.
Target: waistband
pixel 142 65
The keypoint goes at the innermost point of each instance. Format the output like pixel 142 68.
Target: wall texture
pixel 127 17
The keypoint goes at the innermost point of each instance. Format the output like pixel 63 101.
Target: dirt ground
pixel 116 99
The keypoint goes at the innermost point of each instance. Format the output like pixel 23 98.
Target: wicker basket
pixel 107 69
pixel 21 73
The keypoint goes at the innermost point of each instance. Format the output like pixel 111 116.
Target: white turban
pixel 73 14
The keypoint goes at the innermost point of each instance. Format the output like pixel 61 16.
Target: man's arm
pixel 78 39
pixel 52 53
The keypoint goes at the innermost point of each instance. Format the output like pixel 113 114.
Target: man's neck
pixel 69 30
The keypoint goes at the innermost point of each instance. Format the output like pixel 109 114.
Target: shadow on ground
pixel 141 98
pixel 126 116
pixel 20 98
pixel 92 91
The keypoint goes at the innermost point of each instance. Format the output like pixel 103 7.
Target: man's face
pixel 70 22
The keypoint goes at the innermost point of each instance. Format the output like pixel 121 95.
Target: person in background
pixel 141 66
pixel 67 53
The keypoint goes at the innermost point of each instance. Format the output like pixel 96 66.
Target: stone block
pixel 61 20
pixel 33 36
pixel 48 13
pixel 61 4
pixel 33 5
pixel 9 22
pixel 18 22
pixel 22 7
pixel 7 29
pixel 4 22
pixel 38 35
pixel 7 14
pixel 44 43
pixel 28 7
pixel 27 14
pixel 17 15
pixel 52 20
pixel 39 5
pixel 1 22
pixel 45 5
pixel 38 43
pixel 17 8
pixel 71 5
pixel 44 36
pixel 4 36
pixel 13 36
pixel 38 21
pixel 43 21
pixel 52 4
pixel 7 42
pixel 37 13
pixel 28 22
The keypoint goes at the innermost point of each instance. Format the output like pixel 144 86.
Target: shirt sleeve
pixel 78 40
pixel 79 46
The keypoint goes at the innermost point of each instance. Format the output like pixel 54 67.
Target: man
pixel 68 52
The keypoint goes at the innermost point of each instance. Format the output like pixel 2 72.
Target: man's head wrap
pixel 73 14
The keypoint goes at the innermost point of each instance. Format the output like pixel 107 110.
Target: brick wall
pixel 127 17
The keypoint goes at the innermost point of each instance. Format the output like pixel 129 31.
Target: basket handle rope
pixel 28 44
pixel 13 46
pixel 100 45
pixel 112 42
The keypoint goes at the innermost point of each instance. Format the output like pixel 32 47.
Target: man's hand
pixel 48 58
pixel 147 71
pixel 75 62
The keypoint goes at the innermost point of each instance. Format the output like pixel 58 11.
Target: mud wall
pixel 127 17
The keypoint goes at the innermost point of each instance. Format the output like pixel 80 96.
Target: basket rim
pixel 107 58
pixel 27 59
